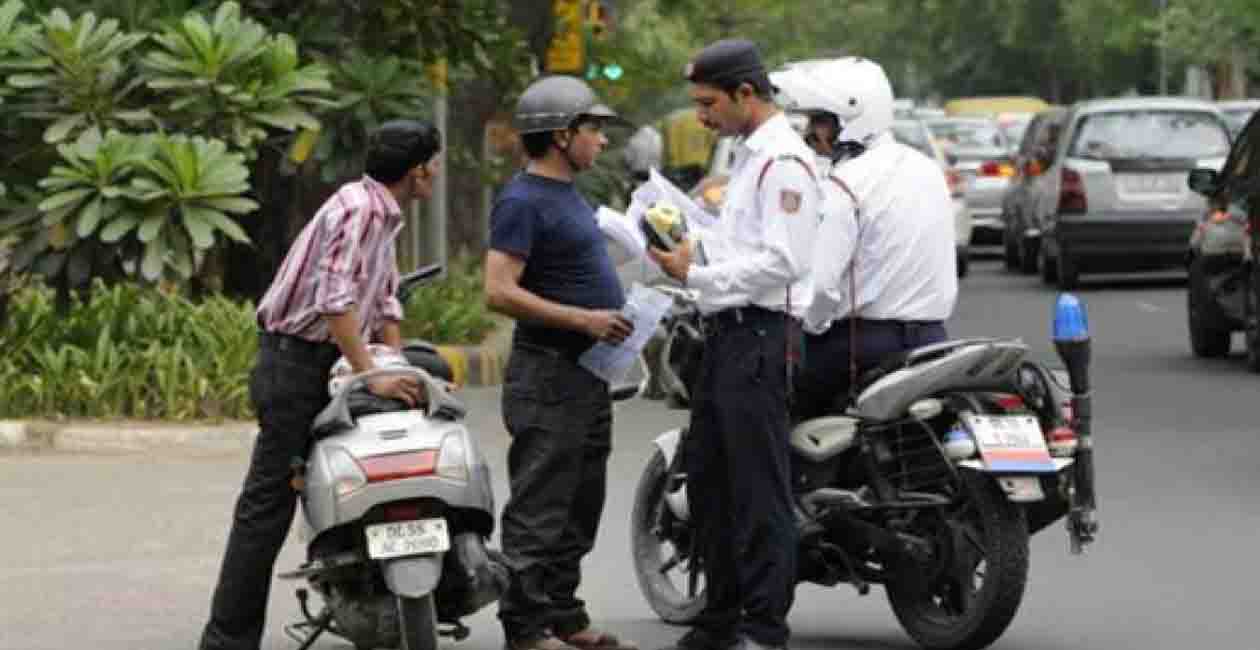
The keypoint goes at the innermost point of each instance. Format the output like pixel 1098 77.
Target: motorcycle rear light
pixel 453 458
pixel 402 512
pixel 346 474
pixel 391 467
pixel 1010 402
pixel 1062 442
pixel 1072 193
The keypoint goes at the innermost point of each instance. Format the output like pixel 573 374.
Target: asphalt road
pixel 120 552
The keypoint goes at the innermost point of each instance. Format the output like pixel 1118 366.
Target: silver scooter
pixel 397 506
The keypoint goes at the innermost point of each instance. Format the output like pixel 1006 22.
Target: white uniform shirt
pixel 766 228
pixel 906 267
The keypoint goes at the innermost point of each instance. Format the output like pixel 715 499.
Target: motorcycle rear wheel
pixel 417 623
pixel 663 574
pixel 967 601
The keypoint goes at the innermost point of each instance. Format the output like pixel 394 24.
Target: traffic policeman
pixel 884 277
pixel 751 291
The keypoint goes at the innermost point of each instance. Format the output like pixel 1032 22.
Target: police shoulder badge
pixel 790 201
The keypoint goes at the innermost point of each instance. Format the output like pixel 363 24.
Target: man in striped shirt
pixel 333 295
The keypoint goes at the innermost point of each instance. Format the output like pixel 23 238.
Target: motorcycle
pixel 397 506
pixel 930 482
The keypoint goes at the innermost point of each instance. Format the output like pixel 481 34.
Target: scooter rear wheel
pixel 662 549
pixel 417 623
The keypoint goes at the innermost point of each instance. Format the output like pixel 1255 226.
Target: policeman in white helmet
pixel 883 279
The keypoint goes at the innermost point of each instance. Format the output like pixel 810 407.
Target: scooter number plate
pixel 403 538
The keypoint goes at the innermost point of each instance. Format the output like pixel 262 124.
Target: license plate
pixel 1010 443
pixel 1022 489
pixel 402 538
pixel 1151 183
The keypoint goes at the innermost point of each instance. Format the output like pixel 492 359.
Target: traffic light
pixel 605 71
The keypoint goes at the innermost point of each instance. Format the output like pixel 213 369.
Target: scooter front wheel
pixel 665 561
pixel 417 623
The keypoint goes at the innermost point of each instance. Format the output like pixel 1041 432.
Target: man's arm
pixel 344 328
pixel 391 334
pixel 504 294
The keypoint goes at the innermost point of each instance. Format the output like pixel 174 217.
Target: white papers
pixel 626 242
pixel 644 309
pixel 658 188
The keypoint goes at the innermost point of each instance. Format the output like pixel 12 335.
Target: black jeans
pixel 824 374
pixel 288 387
pixel 560 418
pixel 736 454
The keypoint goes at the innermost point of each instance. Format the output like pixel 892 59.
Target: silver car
pixel 978 149
pixel 1114 198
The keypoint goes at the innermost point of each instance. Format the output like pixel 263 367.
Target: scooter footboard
pixel 413 577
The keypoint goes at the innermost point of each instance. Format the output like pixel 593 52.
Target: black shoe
pixel 698 639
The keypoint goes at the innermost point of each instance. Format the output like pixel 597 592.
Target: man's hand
pixel 675 264
pixel 607 326
pixel 401 387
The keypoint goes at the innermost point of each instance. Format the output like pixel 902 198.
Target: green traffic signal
pixel 613 71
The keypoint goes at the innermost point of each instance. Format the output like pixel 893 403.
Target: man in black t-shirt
pixel 548 267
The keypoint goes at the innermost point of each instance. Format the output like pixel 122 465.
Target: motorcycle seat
pixel 910 357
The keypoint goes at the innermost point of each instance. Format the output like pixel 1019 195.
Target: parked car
pixel 1224 280
pixel 1115 197
pixel 1237 112
pixel 1021 233
pixel 978 149
pixel 915 133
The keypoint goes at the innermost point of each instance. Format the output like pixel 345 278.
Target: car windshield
pixel 968 134
pixel 912 134
pixel 1150 134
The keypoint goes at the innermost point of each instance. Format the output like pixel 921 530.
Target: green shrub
pixel 126 351
pixel 134 351
pixel 452 310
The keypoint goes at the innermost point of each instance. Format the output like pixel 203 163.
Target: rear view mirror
pixel 1204 180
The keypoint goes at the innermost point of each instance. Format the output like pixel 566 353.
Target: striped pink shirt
pixel 343 258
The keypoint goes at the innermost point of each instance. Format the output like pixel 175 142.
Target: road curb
pixel 483 364
pixel 126 436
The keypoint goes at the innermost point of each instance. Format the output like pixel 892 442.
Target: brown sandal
pixel 593 639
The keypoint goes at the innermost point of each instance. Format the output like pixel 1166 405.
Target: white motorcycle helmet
pixel 853 89
pixel 383 356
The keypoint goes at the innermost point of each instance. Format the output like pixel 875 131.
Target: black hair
pixel 398 146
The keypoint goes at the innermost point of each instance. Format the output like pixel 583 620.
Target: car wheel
pixel 1068 270
pixel 1251 323
pixel 1049 267
pixel 1028 249
pixel 1207 338
pixel 1010 251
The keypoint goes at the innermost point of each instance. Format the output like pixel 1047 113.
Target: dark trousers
pixel 824 375
pixel 738 479
pixel 288 387
pixel 560 418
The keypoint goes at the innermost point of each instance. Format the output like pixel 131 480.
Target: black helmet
pixel 554 103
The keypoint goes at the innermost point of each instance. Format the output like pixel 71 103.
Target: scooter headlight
pixel 453 458
pixel 346 474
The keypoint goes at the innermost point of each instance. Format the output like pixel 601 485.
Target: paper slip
pixel 657 188
pixel 626 241
pixel 644 308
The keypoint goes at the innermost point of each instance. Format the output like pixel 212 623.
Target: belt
pixel 735 317
pixel 903 326
pixel 553 353
pixel 289 344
